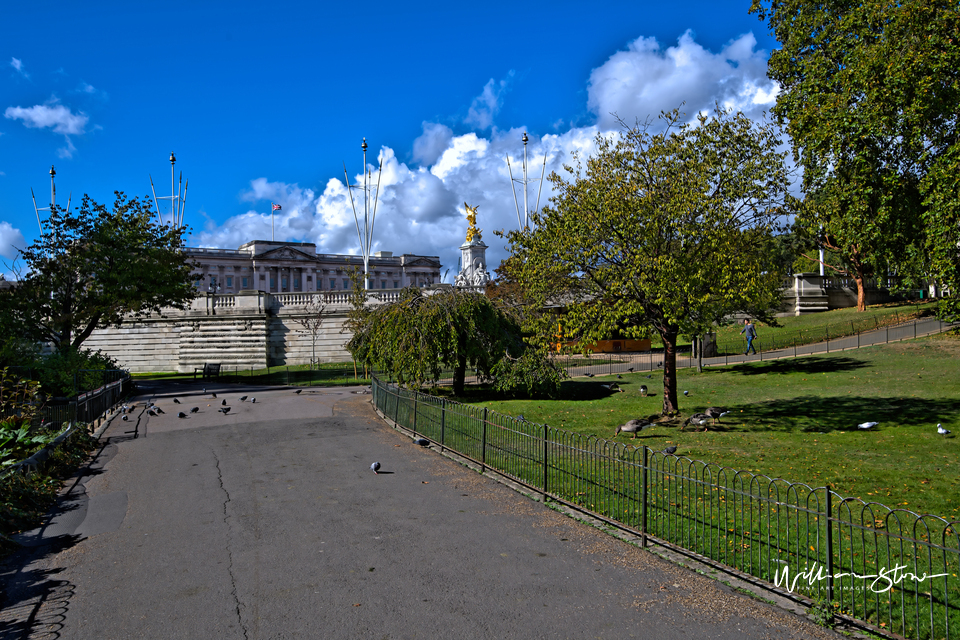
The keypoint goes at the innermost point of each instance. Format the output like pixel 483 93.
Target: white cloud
pixel 485 106
pixel 10 240
pixel 49 116
pixel 644 80
pixel 420 206
pixel 17 64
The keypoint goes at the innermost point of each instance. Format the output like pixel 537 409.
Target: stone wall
pixel 250 329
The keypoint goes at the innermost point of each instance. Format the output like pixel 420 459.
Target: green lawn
pixel 796 419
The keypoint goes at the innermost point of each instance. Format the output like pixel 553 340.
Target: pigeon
pixel 223 402
pixel 867 425
pixel 158 410
pixel 195 409
pixel 214 395
pixel 630 369
pixel 670 450
pixel 253 400
pixel 619 377
pixel 175 401
pixel 224 410
pixel 589 375
pixel 181 415
pixel 375 467
pixel 941 430
pixel 243 398
pixel 660 364
pixel 648 377
pixel 686 393
pixel 423 442
pixel 521 418
pixel 298 391
pixel 643 390
pixel 632 426
pixel 150 412
pixel 125 418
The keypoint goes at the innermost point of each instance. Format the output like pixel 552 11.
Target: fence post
pixel 544 484
pixel 415 394
pixel 396 408
pixel 914 329
pixel 483 443
pixel 443 421
pixel 643 499
pixel 829 505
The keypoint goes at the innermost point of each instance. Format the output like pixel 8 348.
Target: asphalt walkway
pixel 267 522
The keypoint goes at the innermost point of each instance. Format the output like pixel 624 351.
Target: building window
pixel 309 278
pixel 346 283
pixel 296 283
pixel 333 283
pixel 245 282
pixel 283 282
pixel 396 284
pixel 273 283
pixel 383 284
pixel 229 282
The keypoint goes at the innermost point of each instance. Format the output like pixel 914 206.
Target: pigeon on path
pixel 125 418
pixel 253 400
pixel 195 409
pixel 243 398
pixel 223 402
pixel 298 391
pixel 867 425
pixel 159 410
pixel 423 442
pixel 375 467
pixel 224 410
pixel 941 430
pixel 181 415
pixel 175 401
pixel 214 395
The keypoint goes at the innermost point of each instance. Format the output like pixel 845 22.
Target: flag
pixel 276 207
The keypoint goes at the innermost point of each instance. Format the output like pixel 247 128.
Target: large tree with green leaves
pixel 93 268
pixel 869 93
pixel 660 231
pixel 414 338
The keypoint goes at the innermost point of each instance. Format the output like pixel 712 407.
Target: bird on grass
pixel 589 375
pixel 619 377
pixel 521 418
pixel 630 369
pixel 612 386
pixel 660 364
pixel 942 431
pixel 649 377
pixel 181 415
pixel 298 391
pixel 670 450
pixel 715 413
pixel 686 393
pixel 175 401
pixel 243 398
pixel 195 409
pixel 867 425
pixel 633 426
pixel 643 390
pixel 375 467
pixel 223 402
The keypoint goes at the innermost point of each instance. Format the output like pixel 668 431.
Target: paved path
pixel 268 523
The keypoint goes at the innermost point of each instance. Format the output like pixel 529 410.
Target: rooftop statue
pixel 472 231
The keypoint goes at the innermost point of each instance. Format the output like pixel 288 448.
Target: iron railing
pixel 891 570
pixel 90 405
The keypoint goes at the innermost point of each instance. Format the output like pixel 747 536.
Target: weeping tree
pixel 415 338
pixel 660 232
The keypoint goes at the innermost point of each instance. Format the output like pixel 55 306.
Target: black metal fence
pixel 769 348
pixel 90 405
pixel 889 569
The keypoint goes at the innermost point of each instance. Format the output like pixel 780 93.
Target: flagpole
pixel 273 235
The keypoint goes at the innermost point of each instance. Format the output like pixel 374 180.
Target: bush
pixel 532 375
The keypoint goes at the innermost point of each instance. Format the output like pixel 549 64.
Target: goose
pixel 632 426
pixel 612 386
pixel 716 413
pixel 699 419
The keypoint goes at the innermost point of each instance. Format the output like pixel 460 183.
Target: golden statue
pixel 472 231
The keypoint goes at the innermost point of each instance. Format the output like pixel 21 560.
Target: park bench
pixel 209 370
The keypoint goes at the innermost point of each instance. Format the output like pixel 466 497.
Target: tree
pixel 868 92
pixel 312 323
pixel 414 338
pixel 660 231
pixel 93 268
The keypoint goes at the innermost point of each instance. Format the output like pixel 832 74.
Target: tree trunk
pixel 699 354
pixel 669 338
pixel 861 294
pixel 459 375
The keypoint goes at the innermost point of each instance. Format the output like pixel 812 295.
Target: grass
pixel 796 419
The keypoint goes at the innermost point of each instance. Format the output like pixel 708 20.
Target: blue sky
pixel 265 102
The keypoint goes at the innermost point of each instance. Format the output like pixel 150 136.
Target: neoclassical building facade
pixel 289 267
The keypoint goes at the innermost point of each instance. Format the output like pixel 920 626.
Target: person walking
pixel 751 333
